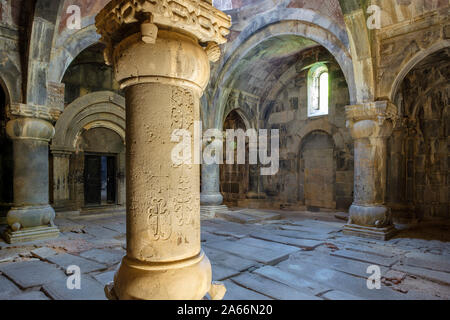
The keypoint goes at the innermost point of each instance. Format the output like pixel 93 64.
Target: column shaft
pixel 32 217
pixel 163 219
pixel 211 195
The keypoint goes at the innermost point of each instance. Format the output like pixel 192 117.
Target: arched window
pixel 318 90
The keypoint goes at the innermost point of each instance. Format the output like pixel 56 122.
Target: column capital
pixel 61 153
pixel 371 119
pixel 197 18
pixel 30 129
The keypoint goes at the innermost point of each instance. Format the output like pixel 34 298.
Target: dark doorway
pixel 100 180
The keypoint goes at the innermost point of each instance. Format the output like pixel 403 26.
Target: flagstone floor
pixel 300 256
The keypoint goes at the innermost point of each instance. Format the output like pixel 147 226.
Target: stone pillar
pixel 210 198
pixel 370 124
pixel 163 69
pixel 32 217
pixel 61 191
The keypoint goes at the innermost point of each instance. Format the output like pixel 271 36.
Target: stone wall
pixel 316 154
pixel 6 161
pixel 419 172
pixel 89 73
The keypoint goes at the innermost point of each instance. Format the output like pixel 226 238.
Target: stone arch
pixel 10 80
pixel 98 109
pixel 412 62
pixel 300 22
pixel 320 125
pixel 243 114
pixel 68 47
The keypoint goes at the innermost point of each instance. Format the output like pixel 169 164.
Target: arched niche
pixel 234 178
pixel 418 150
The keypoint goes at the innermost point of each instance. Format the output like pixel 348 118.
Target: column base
pixel 209 212
pixel 382 234
pixel 211 199
pixel 31 234
pixel 180 280
pixel 30 217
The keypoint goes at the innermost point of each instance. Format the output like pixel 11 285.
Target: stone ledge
pixel 31 234
pixel 382 234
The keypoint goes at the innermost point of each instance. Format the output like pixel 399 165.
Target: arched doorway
pixel 234 177
pixel 317 171
pixel 89 153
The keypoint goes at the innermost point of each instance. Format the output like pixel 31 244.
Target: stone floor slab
pixel 220 273
pixel 271 288
pixel 228 260
pixel 238 293
pixel 302 235
pixel 428 261
pixel 66 260
pixel 301 243
pixel 90 290
pixel 235 216
pixel 43 253
pixel 104 256
pixel 266 256
pixel 291 280
pixel 30 296
pixel 436 276
pixel 7 288
pixel 105 277
pixel 366 257
pixel 210 237
pixel 339 295
pixel 262 244
pixel 352 267
pixel 262 215
pixel 337 280
pixel 31 274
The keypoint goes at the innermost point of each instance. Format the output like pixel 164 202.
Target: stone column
pixel 32 217
pixel 210 198
pixel 370 124
pixel 160 64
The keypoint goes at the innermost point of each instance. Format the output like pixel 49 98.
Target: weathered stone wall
pixel 419 152
pixel 89 73
pixel 316 154
pixel 6 161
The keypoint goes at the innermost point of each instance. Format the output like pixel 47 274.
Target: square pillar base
pixel 31 234
pixel 382 234
pixel 209 212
